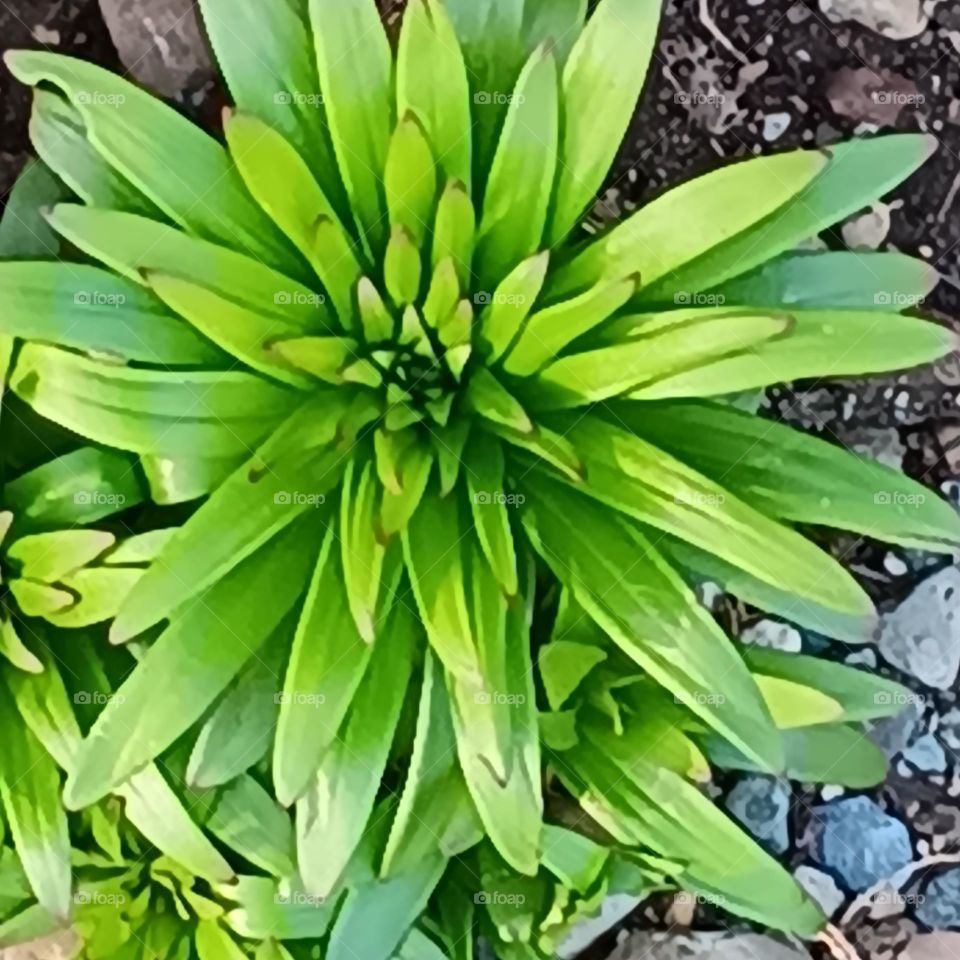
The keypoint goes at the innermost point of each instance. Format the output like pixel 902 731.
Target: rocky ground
pixel 731 78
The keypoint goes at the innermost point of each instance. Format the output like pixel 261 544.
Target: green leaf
pixel 361 551
pixel 179 479
pixel 575 860
pixel 403 268
pixel 418 946
pixel 496 721
pixel 435 812
pixel 149 411
pixel 357 94
pixel 835 279
pixel 792 476
pixel 656 241
pixel 556 22
pixel 266 57
pixel 238 734
pixel 396 903
pixel 602 81
pixel 492 401
pixel 241 332
pixel 643 606
pixel 433 550
pixel 564 665
pixel 520 184
pixel 454 232
pixel 545 444
pixel 683 342
pixel 508 308
pixel 283 910
pixel 649 485
pixel 14 650
pixel 549 331
pixel 321 679
pixel 97 595
pixel 794 705
pixel 58 135
pixel 488 500
pixel 432 84
pixel 158 702
pixel 820 344
pixel 133 245
pixel 410 180
pixel 857 173
pixel 289 475
pixel 51 556
pixel 30 790
pixel 333 814
pixel 249 822
pixel 413 474
pixel 24 233
pixel 281 182
pixel 143 139
pixel 861 696
pixel 214 943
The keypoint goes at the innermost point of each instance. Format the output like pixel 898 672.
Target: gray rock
pixel 774 635
pixel 775 126
pixel 822 888
pixel 762 805
pixel 704 946
pixel 934 946
pixel 940 907
pixel 613 910
pixel 893 734
pixel 159 41
pixel 896 19
pixel 860 843
pixel 922 636
pixel 927 755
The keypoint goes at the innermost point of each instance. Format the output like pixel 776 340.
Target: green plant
pixel 451 468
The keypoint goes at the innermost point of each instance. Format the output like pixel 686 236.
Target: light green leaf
pixel 455 232
pixel 158 702
pixel 551 447
pixel 179 479
pixel 289 476
pixel 403 268
pixel 413 474
pixel 249 822
pixel 410 180
pixel 794 705
pixel 602 81
pixel 549 331
pixel 435 812
pixel 557 22
pixel 433 549
pixel 857 173
pixel 238 734
pixel 321 679
pixel 820 344
pixel 520 185
pixel 682 342
pixel 144 139
pixel 51 556
pixel 60 139
pixel 837 279
pixel 649 485
pixel 98 593
pixel 508 308
pixel 432 84
pixel 656 241
pixel 792 476
pixel 214 943
pixel 132 245
pixel 266 57
pixel 486 484
pixel 14 649
pixel 564 665
pixel 418 946
pixel 91 310
pixel 492 401
pixel 357 92
pixel 633 594
pixel 361 551
pixel 333 814
pixel 30 790
pixel 575 860
pixel 282 910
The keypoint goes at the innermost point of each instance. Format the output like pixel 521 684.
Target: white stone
pixel 896 19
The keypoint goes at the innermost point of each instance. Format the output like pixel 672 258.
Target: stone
pixel 612 911
pixel 939 908
pixel 822 888
pixel 762 805
pixel 926 755
pixel 859 843
pixel 704 946
pixel 774 635
pixel 895 19
pixel 775 126
pixel 934 946
pixel 893 734
pixel 160 42
pixel 922 636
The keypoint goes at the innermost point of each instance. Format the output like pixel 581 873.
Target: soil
pixel 760 76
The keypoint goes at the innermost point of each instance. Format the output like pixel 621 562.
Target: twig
pixel 707 20
pixel 839 946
